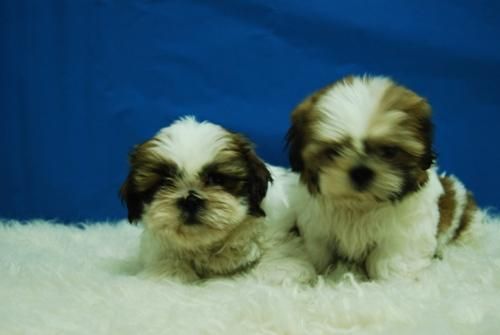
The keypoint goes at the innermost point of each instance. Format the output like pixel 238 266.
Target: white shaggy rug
pixel 64 280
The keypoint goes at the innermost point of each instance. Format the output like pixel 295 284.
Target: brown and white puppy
pixel 371 195
pixel 197 188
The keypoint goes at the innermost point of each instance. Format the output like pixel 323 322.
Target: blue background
pixel 83 81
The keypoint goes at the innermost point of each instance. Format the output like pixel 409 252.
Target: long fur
pixel 227 232
pixel 370 192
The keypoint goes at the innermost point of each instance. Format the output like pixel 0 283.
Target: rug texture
pixel 57 279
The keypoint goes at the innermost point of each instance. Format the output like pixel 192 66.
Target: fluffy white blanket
pixel 56 279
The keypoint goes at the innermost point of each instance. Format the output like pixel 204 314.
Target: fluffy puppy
pixel 371 195
pixel 197 188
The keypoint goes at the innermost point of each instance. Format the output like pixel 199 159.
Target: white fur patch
pixel 191 144
pixel 63 280
pixel 347 109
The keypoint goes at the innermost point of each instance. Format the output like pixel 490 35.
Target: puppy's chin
pixel 210 226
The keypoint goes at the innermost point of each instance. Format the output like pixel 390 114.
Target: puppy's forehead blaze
pixel 160 157
pixel 369 109
pixel 191 153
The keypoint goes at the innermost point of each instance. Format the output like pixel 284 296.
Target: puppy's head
pixel 362 140
pixel 194 183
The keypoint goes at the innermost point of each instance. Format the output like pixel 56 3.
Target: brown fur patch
pixel 447 205
pixel 416 127
pixel 257 176
pixel 148 172
pixel 398 97
pixel 304 116
pixel 467 216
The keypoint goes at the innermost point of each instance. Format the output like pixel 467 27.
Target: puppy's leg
pixel 401 257
pixel 319 249
pixel 284 263
pixel 178 270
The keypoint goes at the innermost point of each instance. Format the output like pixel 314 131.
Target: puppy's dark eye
pixel 167 181
pixel 166 175
pixel 216 179
pixel 331 153
pixel 389 151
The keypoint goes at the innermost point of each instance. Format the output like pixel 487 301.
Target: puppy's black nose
pixel 190 204
pixel 361 176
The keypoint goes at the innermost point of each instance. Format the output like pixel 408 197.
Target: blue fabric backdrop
pixel 83 81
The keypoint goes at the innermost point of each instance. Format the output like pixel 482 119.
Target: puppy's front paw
pixel 283 272
pixel 166 270
pixel 341 270
pixel 394 266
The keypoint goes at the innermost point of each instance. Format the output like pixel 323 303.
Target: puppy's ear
pixel 143 180
pixel 420 111
pixel 302 118
pixel 295 143
pixel 310 179
pixel 258 176
pixel 429 157
pixel 296 140
pixel 130 195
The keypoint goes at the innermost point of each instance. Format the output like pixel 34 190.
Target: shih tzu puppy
pixel 198 190
pixel 371 194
